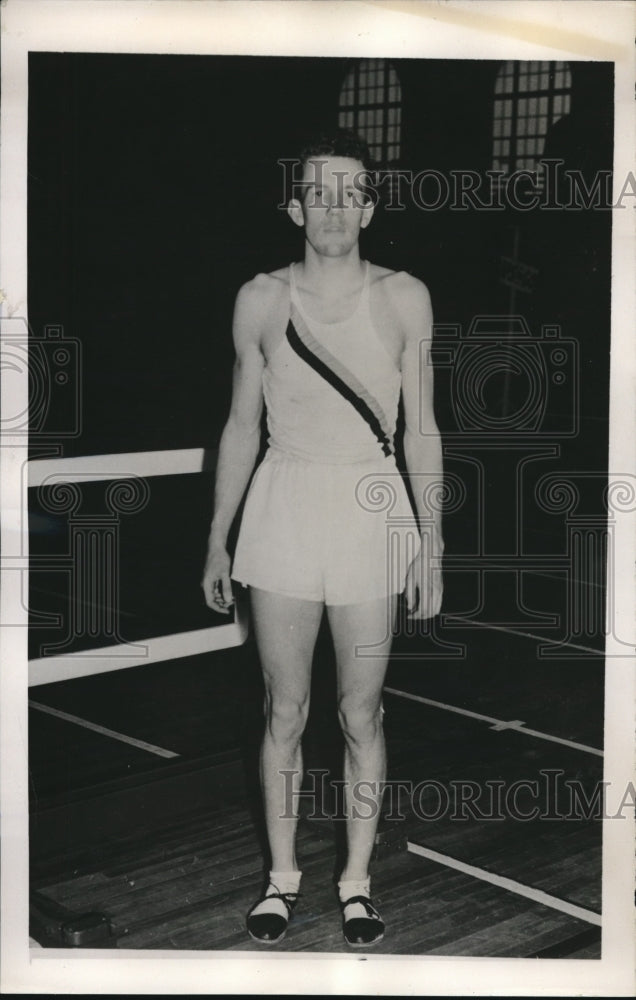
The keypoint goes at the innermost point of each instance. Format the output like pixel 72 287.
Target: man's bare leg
pixel 286 629
pixel 360 682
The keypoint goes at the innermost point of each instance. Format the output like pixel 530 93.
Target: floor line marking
pixel 519 727
pixel 536 895
pixel 525 635
pixel 140 744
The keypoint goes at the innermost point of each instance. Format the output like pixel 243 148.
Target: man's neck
pixel 331 277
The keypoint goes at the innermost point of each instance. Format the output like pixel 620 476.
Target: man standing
pixel 328 344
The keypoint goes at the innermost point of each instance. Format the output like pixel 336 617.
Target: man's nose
pixel 335 202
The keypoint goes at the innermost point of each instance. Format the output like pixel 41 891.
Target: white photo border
pixel 460 29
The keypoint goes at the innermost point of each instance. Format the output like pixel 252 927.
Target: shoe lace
pixel 366 902
pixel 288 898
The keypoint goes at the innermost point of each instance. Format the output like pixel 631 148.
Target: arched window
pixel 371 104
pixel 529 97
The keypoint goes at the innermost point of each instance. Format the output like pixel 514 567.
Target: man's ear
pixel 295 212
pixel 367 213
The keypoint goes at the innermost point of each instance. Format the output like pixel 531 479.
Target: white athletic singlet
pixel 306 416
pixel 327 517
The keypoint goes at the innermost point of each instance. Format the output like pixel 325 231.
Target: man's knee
pixel 286 717
pixel 359 721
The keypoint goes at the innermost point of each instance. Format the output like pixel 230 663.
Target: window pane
pixel 496 128
pixel 543 125
pixel 543 105
pixel 523 82
pixel 532 105
pixel 520 147
pixel 544 80
pixel 505 147
pixel 566 104
pixel 521 126
pixel 365 106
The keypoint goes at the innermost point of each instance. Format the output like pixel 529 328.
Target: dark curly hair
pixel 340 142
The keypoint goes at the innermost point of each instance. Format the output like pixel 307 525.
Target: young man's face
pixel 334 207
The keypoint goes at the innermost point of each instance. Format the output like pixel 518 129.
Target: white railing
pixel 133 465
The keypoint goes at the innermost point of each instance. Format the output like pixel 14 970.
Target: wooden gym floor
pixel 145 807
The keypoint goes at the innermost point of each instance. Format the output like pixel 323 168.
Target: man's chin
pixel 334 247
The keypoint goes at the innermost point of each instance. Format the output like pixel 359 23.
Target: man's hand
pixel 216 581
pixel 424 588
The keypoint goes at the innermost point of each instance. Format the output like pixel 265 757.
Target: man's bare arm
pixel 422 446
pixel 239 443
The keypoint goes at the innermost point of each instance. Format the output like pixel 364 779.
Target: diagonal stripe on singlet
pixel 340 377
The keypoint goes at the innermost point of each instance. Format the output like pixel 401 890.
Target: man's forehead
pixel 321 168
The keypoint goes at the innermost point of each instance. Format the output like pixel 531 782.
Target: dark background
pixel 153 194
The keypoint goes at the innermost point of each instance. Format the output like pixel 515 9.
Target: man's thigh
pixel 285 629
pixel 362 635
